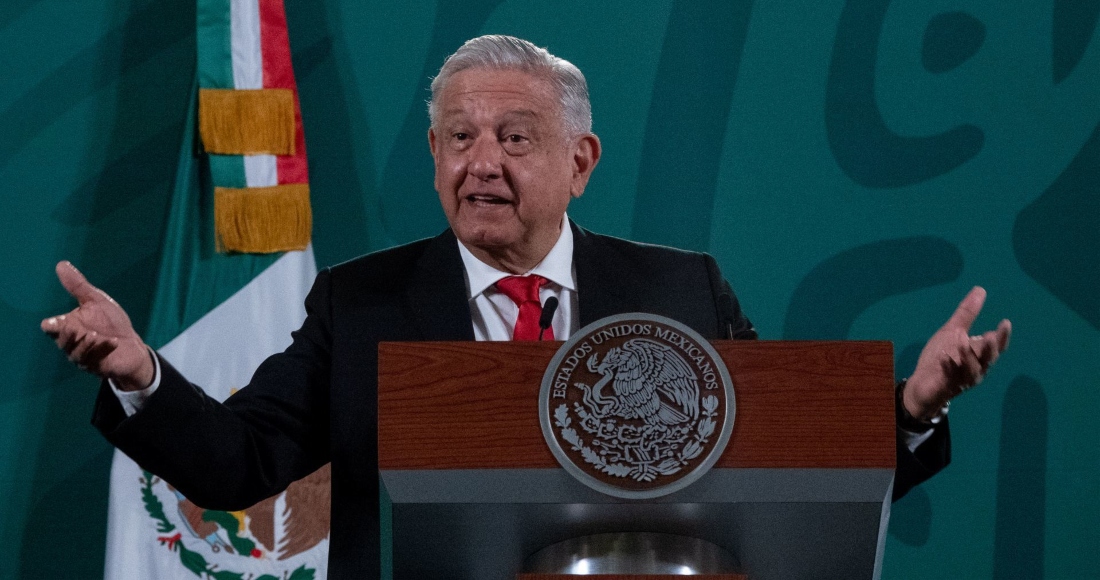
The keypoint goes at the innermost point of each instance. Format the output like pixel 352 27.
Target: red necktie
pixel 524 291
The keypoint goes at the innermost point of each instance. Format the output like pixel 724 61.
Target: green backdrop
pixel 855 166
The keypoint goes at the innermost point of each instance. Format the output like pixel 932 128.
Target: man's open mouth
pixel 482 198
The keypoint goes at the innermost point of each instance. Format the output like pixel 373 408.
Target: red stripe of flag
pixel 279 74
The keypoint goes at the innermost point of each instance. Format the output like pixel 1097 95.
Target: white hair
pixel 496 51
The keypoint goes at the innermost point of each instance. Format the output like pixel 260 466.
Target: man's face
pixel 505 169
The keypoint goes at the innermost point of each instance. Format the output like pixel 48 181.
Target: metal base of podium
pixel 779 524
pixel 632 553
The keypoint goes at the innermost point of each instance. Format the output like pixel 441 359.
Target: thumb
pixel 77 285
pixel 968 310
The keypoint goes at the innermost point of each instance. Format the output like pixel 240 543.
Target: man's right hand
pixel 97 336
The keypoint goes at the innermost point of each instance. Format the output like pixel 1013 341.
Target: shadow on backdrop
pixel 950 39
pixel 331 109
pixel 13 9
pixel 1055 238
pixel 1020 530
pixel 114 234
pixel 151 28
pixel 682 149
pixel 1074 23
pixel 834 294
pixel 402 199
pixel 865 148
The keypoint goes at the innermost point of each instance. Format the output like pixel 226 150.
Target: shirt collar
pixel 556 267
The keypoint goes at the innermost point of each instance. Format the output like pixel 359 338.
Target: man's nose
pixel 485 159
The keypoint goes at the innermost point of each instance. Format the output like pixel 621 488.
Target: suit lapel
pixel 604 285
pixel 436 296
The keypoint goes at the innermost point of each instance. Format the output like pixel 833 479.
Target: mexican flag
pixel 220 309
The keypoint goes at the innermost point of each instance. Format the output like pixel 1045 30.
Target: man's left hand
pixel 953 361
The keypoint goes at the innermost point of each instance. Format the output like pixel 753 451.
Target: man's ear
pixel 586 155
pixel 432 144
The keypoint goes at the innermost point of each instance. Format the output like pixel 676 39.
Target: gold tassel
pixel 247 122
pixel 262 220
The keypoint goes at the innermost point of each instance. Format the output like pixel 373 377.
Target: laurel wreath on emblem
pixel 192 560
pixel 638 452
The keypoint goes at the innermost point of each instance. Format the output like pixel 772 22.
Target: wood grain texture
pixel 474 405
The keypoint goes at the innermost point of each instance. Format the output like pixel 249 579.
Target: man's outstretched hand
pixel 97 336
pixel 953 361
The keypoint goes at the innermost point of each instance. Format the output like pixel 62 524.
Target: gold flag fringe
pixel 247 122
pixel 262 220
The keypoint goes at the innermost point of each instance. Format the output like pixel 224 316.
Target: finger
pixel 77 285
pixel 83 346
pixel 52 326
pixel 985 349
pixel 65 333
pixel 977 345
pixel 970 372
pixel 968 310
pixel 1004 333
pixel 95 355
pixel 974 372
pixel 956 379
pixel 956 348
pixel 70 340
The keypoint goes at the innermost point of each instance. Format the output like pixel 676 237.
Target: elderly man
pixel 512 142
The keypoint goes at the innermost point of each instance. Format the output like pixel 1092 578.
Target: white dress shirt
pixel 493 313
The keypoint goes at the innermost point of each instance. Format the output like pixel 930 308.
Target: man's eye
pixel 516 138
pixel 461 136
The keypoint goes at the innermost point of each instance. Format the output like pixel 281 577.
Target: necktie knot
pixel 524 291
pixel 521 288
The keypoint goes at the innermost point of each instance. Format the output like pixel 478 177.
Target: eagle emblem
pixel 650 382
pixel 285 536
pixel 636 405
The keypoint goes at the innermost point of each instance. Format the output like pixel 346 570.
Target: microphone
pixel 547 317
pixel 725 313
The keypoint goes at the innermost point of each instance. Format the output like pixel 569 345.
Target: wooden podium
pixel 801 491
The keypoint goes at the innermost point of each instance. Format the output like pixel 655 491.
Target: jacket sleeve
pixel 267 435
pixel 732 322
pixel 914 467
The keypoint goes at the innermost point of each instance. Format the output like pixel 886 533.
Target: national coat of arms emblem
pixel 280 538
pixel 637 406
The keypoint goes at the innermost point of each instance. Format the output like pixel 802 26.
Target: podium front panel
pixel 802 490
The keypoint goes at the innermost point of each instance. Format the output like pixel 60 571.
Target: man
pixel 512 142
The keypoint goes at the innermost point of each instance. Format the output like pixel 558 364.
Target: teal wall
pixel 854 166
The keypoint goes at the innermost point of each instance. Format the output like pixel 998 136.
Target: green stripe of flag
pixel 228 170
pixel 215 47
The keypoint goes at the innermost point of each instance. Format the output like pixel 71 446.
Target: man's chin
pixel 486 239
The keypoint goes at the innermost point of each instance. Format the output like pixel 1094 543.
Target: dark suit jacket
pixel 317 403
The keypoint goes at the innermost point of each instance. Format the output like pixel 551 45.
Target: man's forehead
pixel 495 84
pixel 507 115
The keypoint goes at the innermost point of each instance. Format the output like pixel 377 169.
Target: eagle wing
pixel 307 512
pixel 678 382
pixel 667 374
pixel 633 385
pixel 651 370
